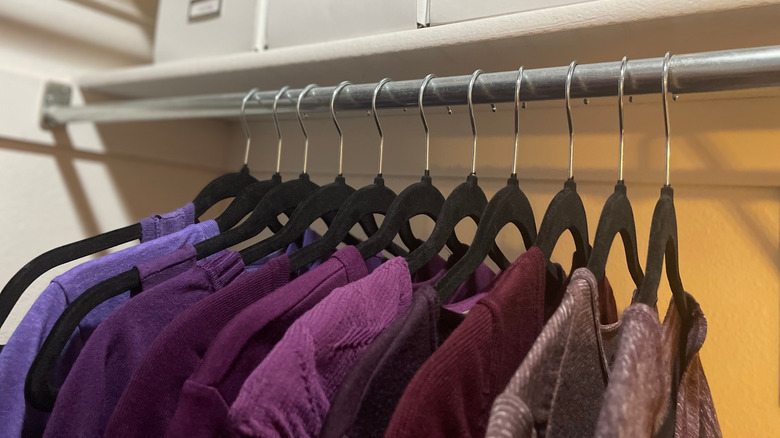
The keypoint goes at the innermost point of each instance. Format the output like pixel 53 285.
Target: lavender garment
pixel 180 348
pixel 289 394
pixel 16 357
pixel 202 409
pixel 160 225
pixel 558 388
pixel 115 350
pixel 637 399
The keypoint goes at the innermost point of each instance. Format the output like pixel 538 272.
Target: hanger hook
pixel 304 92
pixel 518 85
pixel 245 125
pixel 470 102
pixel 567 97
pixel 621 81
pixel 278 129
pixel 425 122
pixel 667 129
pixel 336 92
pixel 379 86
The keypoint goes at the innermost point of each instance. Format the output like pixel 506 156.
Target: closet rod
pixel 689 73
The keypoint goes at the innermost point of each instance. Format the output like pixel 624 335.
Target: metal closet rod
pixel 688 73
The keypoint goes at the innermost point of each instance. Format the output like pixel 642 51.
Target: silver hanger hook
pixel 376 120
pixel 245 125
pixel 425 121
pixel 621 80
pixel 567 97
pixel 333 97
pixel 667 129
pixel 470 102
pixel 278 129
pixel 304 92
pixel 518 85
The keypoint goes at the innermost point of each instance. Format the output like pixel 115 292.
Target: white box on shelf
pixel 201 28
pixel 451 11
pixel 297 22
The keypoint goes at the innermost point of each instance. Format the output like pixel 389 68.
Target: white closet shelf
pixel 591 31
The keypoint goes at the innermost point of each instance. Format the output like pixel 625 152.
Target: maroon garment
pixel 239 348
pixel 451 394
pixel 179 349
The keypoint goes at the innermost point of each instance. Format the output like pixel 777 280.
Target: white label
pixel 202 8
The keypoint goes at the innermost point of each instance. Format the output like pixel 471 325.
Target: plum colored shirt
pixel 289 393
pixel 366 399
pixel 114 351
pixel 202 409
pixel 180 348
pixel 23 346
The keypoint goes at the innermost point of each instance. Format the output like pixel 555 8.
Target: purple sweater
pixel 206 396
pixel 179 349
pixel 18 355
pixel 289 394
pixel 104 367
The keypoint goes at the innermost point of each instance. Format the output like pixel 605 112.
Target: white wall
pixel 62 186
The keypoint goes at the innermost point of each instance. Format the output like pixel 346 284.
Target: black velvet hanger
pixel 617 217
pixel 221 188
pixel 324 200
pixel 372 199
pixel 37 389
pixel 375 198
pixel 419 198
pixel 663 247
pixel 508 205
pixel 565 211
pixel 245 203
pixel 466 200
pixel 225 186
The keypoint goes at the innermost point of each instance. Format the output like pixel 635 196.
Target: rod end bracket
pixel 54 94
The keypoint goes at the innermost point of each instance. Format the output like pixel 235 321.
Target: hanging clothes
pixel 180 347
pixel 15 360
pixel 557 390
pixel 289 393
pixel 451 394
pixel 242 344
pixel 637 398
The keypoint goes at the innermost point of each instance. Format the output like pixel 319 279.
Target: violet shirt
pixel 202 409
pixel 289 393
pixel 22 347
pixel 179 349
pixel 104 367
